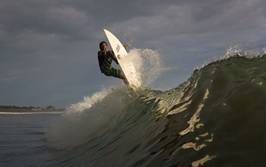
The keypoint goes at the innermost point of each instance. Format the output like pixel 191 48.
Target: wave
pixel 215 118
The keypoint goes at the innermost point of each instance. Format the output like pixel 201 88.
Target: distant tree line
pixel 26 107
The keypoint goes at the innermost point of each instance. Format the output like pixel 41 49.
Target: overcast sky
pixel 48 48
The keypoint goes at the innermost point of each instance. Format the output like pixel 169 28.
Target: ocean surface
pixel 22 138
pixel 216 118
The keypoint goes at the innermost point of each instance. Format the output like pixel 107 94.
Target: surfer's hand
pixel 125 45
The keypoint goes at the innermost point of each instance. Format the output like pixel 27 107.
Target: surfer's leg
pixel 117 73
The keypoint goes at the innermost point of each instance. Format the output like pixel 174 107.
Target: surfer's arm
pixel 113 57
pixel 104 63
pixel 100 61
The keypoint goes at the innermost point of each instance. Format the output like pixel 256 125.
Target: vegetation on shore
pixel 14 108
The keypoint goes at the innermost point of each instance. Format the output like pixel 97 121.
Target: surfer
pixel 105 58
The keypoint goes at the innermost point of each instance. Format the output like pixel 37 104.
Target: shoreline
pixel 29 112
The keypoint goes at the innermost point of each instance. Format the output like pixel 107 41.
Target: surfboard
pixel 126 65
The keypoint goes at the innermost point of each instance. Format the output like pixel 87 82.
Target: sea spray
pixel 83 119
pixel 147 63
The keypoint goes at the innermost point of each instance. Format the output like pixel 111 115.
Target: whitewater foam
pixel 84 119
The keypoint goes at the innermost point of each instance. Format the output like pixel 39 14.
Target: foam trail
pixel 88 101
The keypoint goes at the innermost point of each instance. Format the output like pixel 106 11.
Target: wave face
pixel 216 118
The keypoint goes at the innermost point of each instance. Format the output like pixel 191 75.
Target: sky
pixel 48 48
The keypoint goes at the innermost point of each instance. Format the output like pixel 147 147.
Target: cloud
pixel 195 19
pixel 50 46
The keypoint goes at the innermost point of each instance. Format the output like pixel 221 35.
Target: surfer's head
pixel 103 45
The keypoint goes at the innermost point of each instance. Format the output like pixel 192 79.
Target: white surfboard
pixel 121 54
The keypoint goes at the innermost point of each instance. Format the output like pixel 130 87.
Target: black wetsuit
pixel 105 62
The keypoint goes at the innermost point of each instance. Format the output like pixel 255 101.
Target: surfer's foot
pixel 125 81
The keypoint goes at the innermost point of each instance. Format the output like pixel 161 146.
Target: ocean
pixel 215 118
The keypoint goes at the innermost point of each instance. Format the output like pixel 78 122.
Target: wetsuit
pixel 105 62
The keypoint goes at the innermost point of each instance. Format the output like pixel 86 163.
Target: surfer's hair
pixel 101 43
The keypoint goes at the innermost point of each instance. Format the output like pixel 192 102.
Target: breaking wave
pixel 215 118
